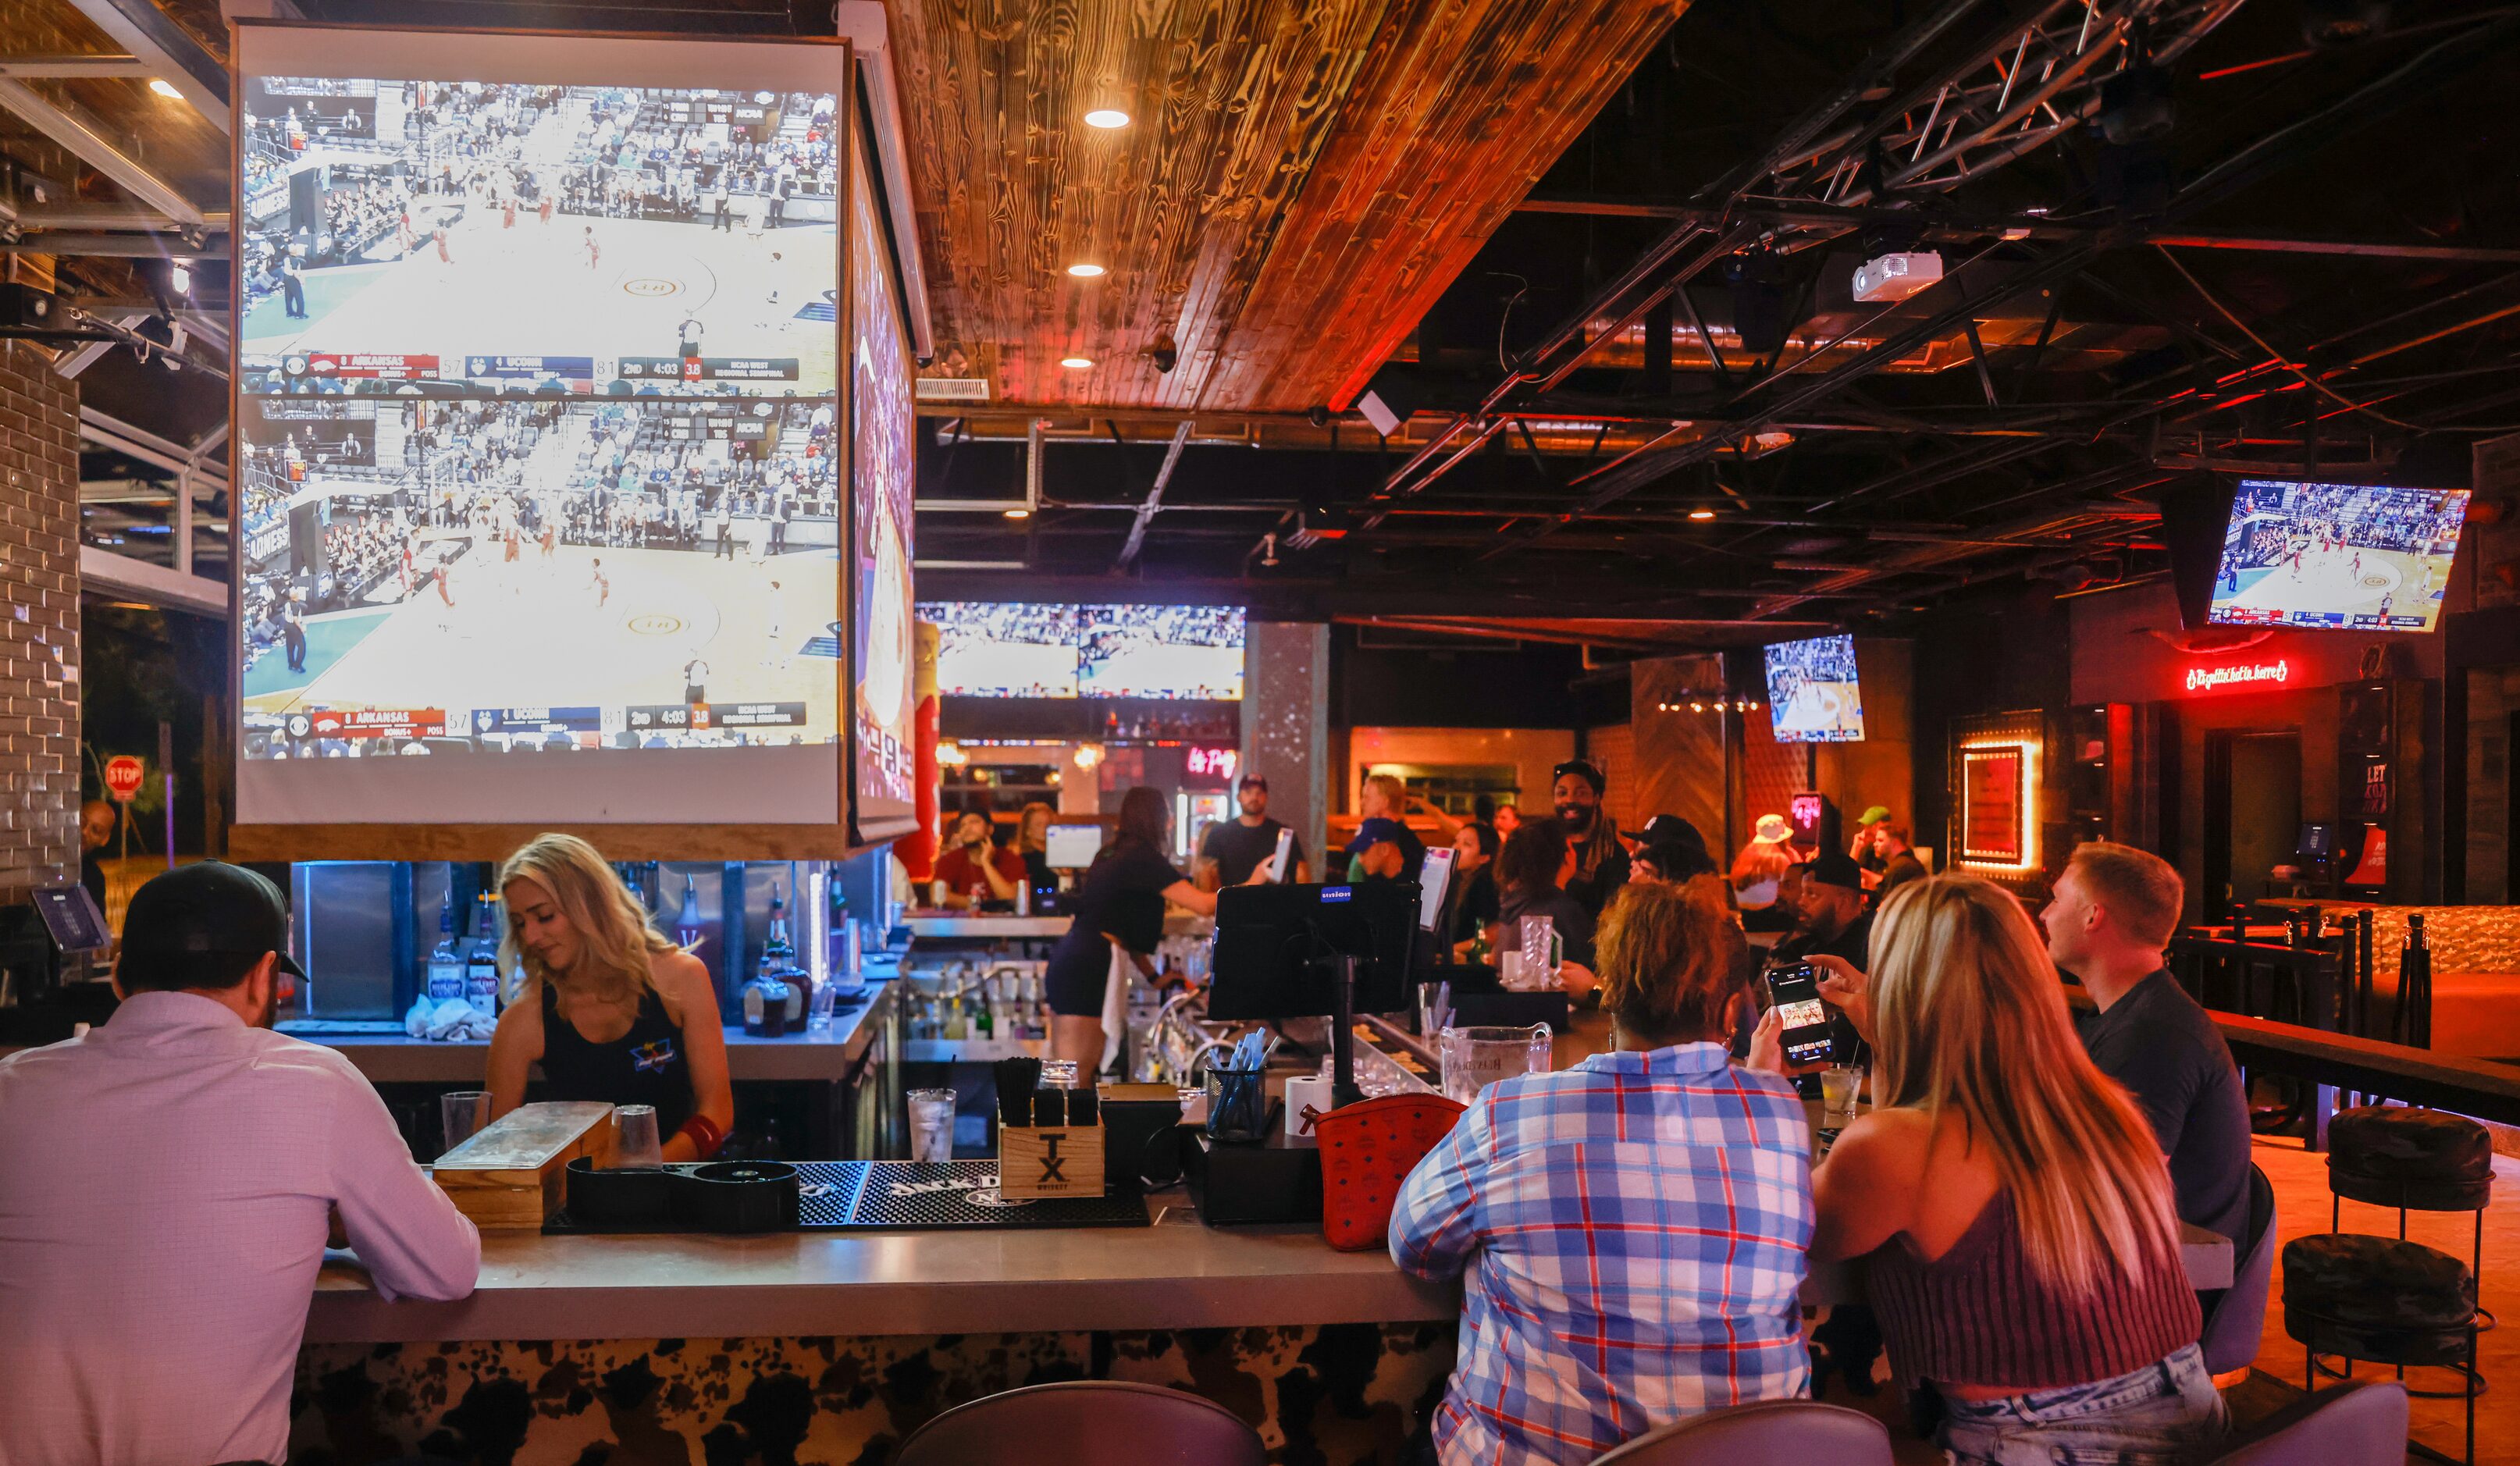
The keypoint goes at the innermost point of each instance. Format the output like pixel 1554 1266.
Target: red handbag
pixel 1367 1149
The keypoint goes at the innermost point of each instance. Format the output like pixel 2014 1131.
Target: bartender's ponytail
pixel 615 940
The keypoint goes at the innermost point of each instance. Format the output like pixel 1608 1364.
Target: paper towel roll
pixel 1309 1089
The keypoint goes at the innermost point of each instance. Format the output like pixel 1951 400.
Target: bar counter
pixel 814 1347
pixel 1179 1273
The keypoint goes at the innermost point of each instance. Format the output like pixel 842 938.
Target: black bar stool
pixel 2396 1302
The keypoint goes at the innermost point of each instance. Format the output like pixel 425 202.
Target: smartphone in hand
pixel 1793 990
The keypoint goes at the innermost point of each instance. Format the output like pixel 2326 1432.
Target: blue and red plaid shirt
pixel 1633 1231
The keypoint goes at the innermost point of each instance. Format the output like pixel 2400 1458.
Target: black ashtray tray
pixel 736 1196
pixel 619 1198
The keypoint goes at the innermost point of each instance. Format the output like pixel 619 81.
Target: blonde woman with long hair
pixel 2015 1206
pixel 611 1008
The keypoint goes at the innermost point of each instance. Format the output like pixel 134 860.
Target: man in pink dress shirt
pixel 165 1184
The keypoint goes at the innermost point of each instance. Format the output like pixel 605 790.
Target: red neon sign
pixel 2242 675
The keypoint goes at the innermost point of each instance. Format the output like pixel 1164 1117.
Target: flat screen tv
pixel 1034 649
pixel 2337 556
pixel 1813 695
pixel 1004 648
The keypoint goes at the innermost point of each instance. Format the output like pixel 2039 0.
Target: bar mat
pixel 915 1195
pixel 925 1194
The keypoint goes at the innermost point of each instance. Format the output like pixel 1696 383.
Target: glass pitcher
pixel 1476 1057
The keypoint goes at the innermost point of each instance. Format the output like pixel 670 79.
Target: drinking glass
pixel 818 1010
pixel 1540 951
pixel 1058 1074
pixel 1839 1084
pixel 634 1146
pixel 462 1114
pixel 1434 1008
pixel 931 1125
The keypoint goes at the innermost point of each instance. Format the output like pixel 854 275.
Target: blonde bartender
pixel 1119 904
pixel 611 1009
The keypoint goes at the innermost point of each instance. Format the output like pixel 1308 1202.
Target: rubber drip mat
pixel 914 1195
pixel 922 1194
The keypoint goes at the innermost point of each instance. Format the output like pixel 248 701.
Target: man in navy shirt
pixel 2114 911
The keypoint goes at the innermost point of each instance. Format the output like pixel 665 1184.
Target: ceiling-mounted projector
pixel 1898 274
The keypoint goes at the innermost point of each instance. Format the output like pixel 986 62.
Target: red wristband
pixel 705 1135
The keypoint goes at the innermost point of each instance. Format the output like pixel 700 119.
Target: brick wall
pixel 39 648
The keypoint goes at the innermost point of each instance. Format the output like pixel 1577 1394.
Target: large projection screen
pixel 881 462
pixel 540 444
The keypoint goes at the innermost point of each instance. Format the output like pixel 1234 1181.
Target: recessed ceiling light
pixel 1083 271
pixel 1018 513
pixel 1107 118
pixel 1077 363
pixel 1701 513
pixel 165 88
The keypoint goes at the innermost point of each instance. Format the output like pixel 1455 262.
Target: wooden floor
pixel 2302 1207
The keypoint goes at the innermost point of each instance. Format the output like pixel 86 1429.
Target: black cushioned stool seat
pixel 2377 1299
pixel 2422 1160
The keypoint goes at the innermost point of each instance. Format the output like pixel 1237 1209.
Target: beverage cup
pixel 635 1143
pixel 1839 1086
pixel 462 1114
pixel 931 1125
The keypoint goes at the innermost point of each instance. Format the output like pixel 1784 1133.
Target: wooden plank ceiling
pixel 1298 183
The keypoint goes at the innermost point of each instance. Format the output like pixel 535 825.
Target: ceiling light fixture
pixel 1702 515
pixel 1018 513
pixel 165 88
pixel 1077 363
pixel 1083 271
pixel 1106 119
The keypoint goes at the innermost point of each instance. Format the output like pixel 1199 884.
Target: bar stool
pixel 1085 1423
pixel 2416 1160
pixel 2396 1302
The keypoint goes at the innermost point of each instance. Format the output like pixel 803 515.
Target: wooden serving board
pixel 512 1176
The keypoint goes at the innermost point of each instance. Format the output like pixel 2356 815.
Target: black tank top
pixel 644 1066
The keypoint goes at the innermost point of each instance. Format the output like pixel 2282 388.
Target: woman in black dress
pixel 1120 904
pixel 611 1008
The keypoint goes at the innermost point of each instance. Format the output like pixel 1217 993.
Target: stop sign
pixel 122 775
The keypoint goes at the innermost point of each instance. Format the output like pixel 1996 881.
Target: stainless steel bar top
pixel 1179 1273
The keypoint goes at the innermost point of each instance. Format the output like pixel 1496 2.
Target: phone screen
pixel 1794 991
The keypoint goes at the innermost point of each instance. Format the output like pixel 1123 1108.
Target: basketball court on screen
pixel 1822 707
pixel 2350 579
pixel 1140 666
pixel 536 288
pixel 536 633
pixel 1008 669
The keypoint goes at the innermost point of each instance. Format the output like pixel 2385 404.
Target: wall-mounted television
pixel 1813 695
pixel 2337 556
pixel 1041 649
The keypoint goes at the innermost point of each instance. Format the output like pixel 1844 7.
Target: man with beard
pixel 1233 847
pixel 163 1323
pixel 1600 860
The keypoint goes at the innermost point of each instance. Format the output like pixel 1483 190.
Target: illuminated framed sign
pixel 1994 804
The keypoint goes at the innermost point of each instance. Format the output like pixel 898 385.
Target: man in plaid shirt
pixel 1633 1228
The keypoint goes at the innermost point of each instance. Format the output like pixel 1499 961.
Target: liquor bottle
pixel 445 960
pixel 481 967
pixel 686 927
pixel 955 1028
pixel 779 960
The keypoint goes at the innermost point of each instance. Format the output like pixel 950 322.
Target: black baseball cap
pixel 1253 781
pixel 204 909
pixel 1584 770
pixel 1833 869
pixel 1670 829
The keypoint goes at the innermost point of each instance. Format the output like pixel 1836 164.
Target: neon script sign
pixel 2246 674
